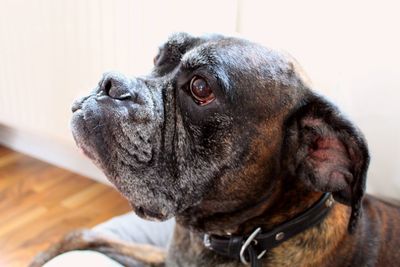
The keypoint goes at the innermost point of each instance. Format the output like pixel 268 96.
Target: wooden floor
pixel 40 202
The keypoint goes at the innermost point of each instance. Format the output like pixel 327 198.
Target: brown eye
pixel 201 91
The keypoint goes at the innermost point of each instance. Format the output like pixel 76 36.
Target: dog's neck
pixel 267 212
pixel 285 206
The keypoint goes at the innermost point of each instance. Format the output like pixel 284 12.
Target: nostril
pixel 107 87
pixel 116 87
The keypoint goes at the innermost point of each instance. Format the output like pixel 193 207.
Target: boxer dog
pixel 228 137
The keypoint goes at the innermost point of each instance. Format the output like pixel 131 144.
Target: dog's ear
pixel 327 153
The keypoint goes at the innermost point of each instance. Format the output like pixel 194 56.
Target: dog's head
pixel 219 119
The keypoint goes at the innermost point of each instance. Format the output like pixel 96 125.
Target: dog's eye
pixel 201 91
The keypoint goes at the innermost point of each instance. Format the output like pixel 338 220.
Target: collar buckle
pixel 251 239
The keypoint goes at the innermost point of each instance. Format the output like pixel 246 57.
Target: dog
pixel 228 137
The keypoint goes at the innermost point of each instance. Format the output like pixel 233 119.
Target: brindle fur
pixel 127 254
pixel 259 154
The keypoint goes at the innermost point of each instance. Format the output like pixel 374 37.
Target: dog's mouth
pixel 77 104
pixel 106 132
pixel 149 214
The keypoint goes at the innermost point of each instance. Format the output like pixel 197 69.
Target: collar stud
pixel 279 236
pixel 329 201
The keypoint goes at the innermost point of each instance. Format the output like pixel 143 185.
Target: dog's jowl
pixel 228 137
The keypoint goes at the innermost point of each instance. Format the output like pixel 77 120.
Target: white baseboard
pixel 60 153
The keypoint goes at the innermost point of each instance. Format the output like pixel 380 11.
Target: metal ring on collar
pixel 247 243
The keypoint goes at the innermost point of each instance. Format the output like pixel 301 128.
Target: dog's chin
pixel 81 136
pixel 79 132
pixel 150 214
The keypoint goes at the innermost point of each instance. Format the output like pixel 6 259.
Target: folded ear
pixel 327 153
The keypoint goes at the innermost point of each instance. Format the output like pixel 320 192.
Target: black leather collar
pixel 252 248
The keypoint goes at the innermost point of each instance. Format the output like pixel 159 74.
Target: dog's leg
pixel 128 254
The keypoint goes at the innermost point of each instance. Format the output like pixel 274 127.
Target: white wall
pixel 351 51
pixel 53 50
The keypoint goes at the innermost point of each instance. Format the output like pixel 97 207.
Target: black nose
pixel 116 86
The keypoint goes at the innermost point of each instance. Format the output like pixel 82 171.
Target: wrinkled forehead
pixel 194 52
pixel 181 41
